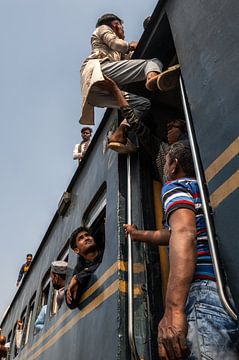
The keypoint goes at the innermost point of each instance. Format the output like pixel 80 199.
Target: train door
pixel 161 44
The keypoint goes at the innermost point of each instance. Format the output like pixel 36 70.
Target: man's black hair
pixel 86 128
pixel 146 22
pixel 107 19
pixel 182 152
pixel 62 276
pixel 72 239
pixel 29 255
pixel 181 123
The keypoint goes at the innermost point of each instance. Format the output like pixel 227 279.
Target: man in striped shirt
pixel 195 325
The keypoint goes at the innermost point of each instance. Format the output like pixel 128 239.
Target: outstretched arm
pixel 111 86
pixel 158 237
pixel 172 330
pixel 21 273
pixel 78 284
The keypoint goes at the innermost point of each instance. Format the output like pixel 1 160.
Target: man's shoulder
pixel 102 29
pixel 183 184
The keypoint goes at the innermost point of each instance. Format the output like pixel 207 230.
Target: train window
pixel 14 344
pixel 94 217
pixel 8 344
pixel 64 254
pixel 96 207
pixel 29 319
pixel 20 329
pixel 42 306
pixel 45 289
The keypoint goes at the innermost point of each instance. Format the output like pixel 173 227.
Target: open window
pixel 42 305
pixel 8 344
pixel 14 349
pixel 94 217
pixel 29 319
pixel 45 289
pixel 20 330
pixel 64 254
pixel 94 220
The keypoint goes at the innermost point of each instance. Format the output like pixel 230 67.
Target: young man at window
pixel 111 56
pixel 195 323
pixel 89 258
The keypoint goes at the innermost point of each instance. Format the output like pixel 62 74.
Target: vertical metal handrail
pixel 130 271
pixel 206 210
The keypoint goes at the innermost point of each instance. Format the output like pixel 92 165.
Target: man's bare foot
pixel 120 135
pixel 119 141
pixel 151 81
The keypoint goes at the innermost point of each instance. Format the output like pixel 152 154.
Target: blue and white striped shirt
pixel 184 193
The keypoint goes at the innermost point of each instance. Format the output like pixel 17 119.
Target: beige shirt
pixel 80 150
pixel 60 297
pixel 106 46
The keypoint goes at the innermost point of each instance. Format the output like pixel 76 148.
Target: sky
pixel 43 43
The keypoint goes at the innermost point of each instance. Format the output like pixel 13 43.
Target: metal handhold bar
pixel 133 348
pixel 206 211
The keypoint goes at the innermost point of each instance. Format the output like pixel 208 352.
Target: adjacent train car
pixel 202 36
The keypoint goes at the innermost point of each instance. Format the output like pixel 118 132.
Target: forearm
pixel 158 237
pixel 76 153
pixel 182 257
pixel 112 40
pixel 83 278
pixel 21 272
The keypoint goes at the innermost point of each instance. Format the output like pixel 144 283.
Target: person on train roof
pixel 195 323
pixel 80 149
pixel 89 258
pixel 111 56
pixel 157 150
pixel 24 268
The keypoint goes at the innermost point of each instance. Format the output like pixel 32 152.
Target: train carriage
pixel 114 320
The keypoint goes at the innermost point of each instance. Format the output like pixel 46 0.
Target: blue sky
pixel 43 43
